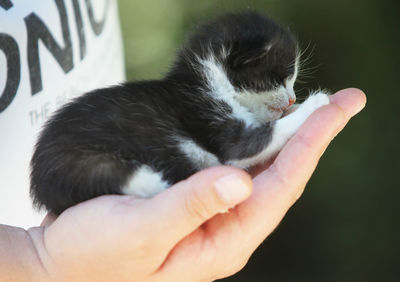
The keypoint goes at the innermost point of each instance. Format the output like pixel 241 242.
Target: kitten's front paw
pixel 293 121
pixel 316 101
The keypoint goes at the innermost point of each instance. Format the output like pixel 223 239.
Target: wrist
pixel 19 258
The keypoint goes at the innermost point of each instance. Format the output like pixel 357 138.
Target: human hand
pixel 180 235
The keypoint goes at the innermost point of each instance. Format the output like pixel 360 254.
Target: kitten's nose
pixel 291 101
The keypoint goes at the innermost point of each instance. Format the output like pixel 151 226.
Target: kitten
pixel 222 102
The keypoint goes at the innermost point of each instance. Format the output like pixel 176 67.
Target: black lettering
pixel 80 28
pixel 37 30
pixel 97 26
pixel 6 4
pixel 10 48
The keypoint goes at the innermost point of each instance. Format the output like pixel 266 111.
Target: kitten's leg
pixel 283 130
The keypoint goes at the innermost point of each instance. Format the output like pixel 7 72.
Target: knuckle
pixel 196 205
pixel 292 192
pixel 279 175
pixel 303 140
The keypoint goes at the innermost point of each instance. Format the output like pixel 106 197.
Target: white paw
pixel 316 101
pixel 290 123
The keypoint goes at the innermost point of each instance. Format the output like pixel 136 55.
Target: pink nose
pixel 291 101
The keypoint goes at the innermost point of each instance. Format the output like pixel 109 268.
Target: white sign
pixel 50 52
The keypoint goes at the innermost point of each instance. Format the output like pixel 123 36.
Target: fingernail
pixel 232 189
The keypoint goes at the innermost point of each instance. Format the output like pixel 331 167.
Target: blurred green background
pixel 346 226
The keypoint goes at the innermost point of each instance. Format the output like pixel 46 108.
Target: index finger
pixel 278 187
pixel 298 159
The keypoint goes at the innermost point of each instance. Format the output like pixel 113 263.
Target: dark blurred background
pixel 346 227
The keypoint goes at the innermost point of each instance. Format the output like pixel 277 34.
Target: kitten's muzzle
pixel 291 101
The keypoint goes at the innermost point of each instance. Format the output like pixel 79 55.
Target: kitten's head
pixel 249 56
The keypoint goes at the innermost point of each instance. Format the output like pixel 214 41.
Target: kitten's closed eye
pixel 220 103
pixel 248 55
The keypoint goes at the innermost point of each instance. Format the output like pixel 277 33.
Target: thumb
pixel 182 208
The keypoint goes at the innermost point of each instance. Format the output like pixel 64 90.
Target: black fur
pixel 92 145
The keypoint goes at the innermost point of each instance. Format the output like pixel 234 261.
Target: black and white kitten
pixel 221 103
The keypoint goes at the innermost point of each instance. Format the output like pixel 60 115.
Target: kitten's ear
pixel 247 54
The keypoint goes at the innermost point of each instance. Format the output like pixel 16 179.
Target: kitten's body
pixel 218 105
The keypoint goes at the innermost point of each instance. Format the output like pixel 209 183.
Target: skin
pixel 181 234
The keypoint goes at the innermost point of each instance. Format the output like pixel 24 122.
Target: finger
pixel 298 159
pixel 351 100
pixel 277 188
pixel 181 209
